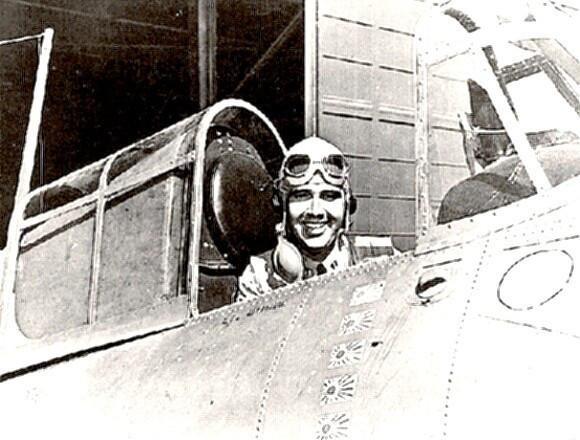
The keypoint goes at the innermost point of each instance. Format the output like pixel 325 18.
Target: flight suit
pixel 261 277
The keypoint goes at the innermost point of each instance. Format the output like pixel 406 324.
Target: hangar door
pixel 360 94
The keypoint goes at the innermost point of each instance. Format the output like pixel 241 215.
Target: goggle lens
pixel 335 165
pixel 297 164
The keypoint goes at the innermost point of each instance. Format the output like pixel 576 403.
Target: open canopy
pixel 123 239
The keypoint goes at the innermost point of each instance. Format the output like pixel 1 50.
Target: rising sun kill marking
pixel 356 322
pixel 346 354
pixel 333 426
pixel 338 389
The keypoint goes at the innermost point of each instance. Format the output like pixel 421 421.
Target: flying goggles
pixel 299 169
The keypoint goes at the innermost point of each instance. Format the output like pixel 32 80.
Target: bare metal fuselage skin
pixel 489 350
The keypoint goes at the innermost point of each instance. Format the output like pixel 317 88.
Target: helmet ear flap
pixel 352 204
pixel 350 208
pixel 350 199
pixel 277 202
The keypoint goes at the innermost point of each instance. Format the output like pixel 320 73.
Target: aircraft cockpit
pixel 157 233
pixel 113 272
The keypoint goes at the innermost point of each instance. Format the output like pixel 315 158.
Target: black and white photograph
pixel 289 219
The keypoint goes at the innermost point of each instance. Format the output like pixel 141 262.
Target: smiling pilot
pixel 314 195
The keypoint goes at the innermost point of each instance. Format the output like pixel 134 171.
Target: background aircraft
pixel 107 328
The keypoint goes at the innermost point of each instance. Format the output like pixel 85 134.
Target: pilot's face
pixel 315 214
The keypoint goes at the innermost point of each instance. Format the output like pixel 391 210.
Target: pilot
pixel 314 196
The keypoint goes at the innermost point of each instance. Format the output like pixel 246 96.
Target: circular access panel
pixel 535 279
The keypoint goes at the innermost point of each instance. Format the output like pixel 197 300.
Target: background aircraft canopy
pixel 510 84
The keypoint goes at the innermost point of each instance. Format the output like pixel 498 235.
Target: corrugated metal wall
pixel 365 104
